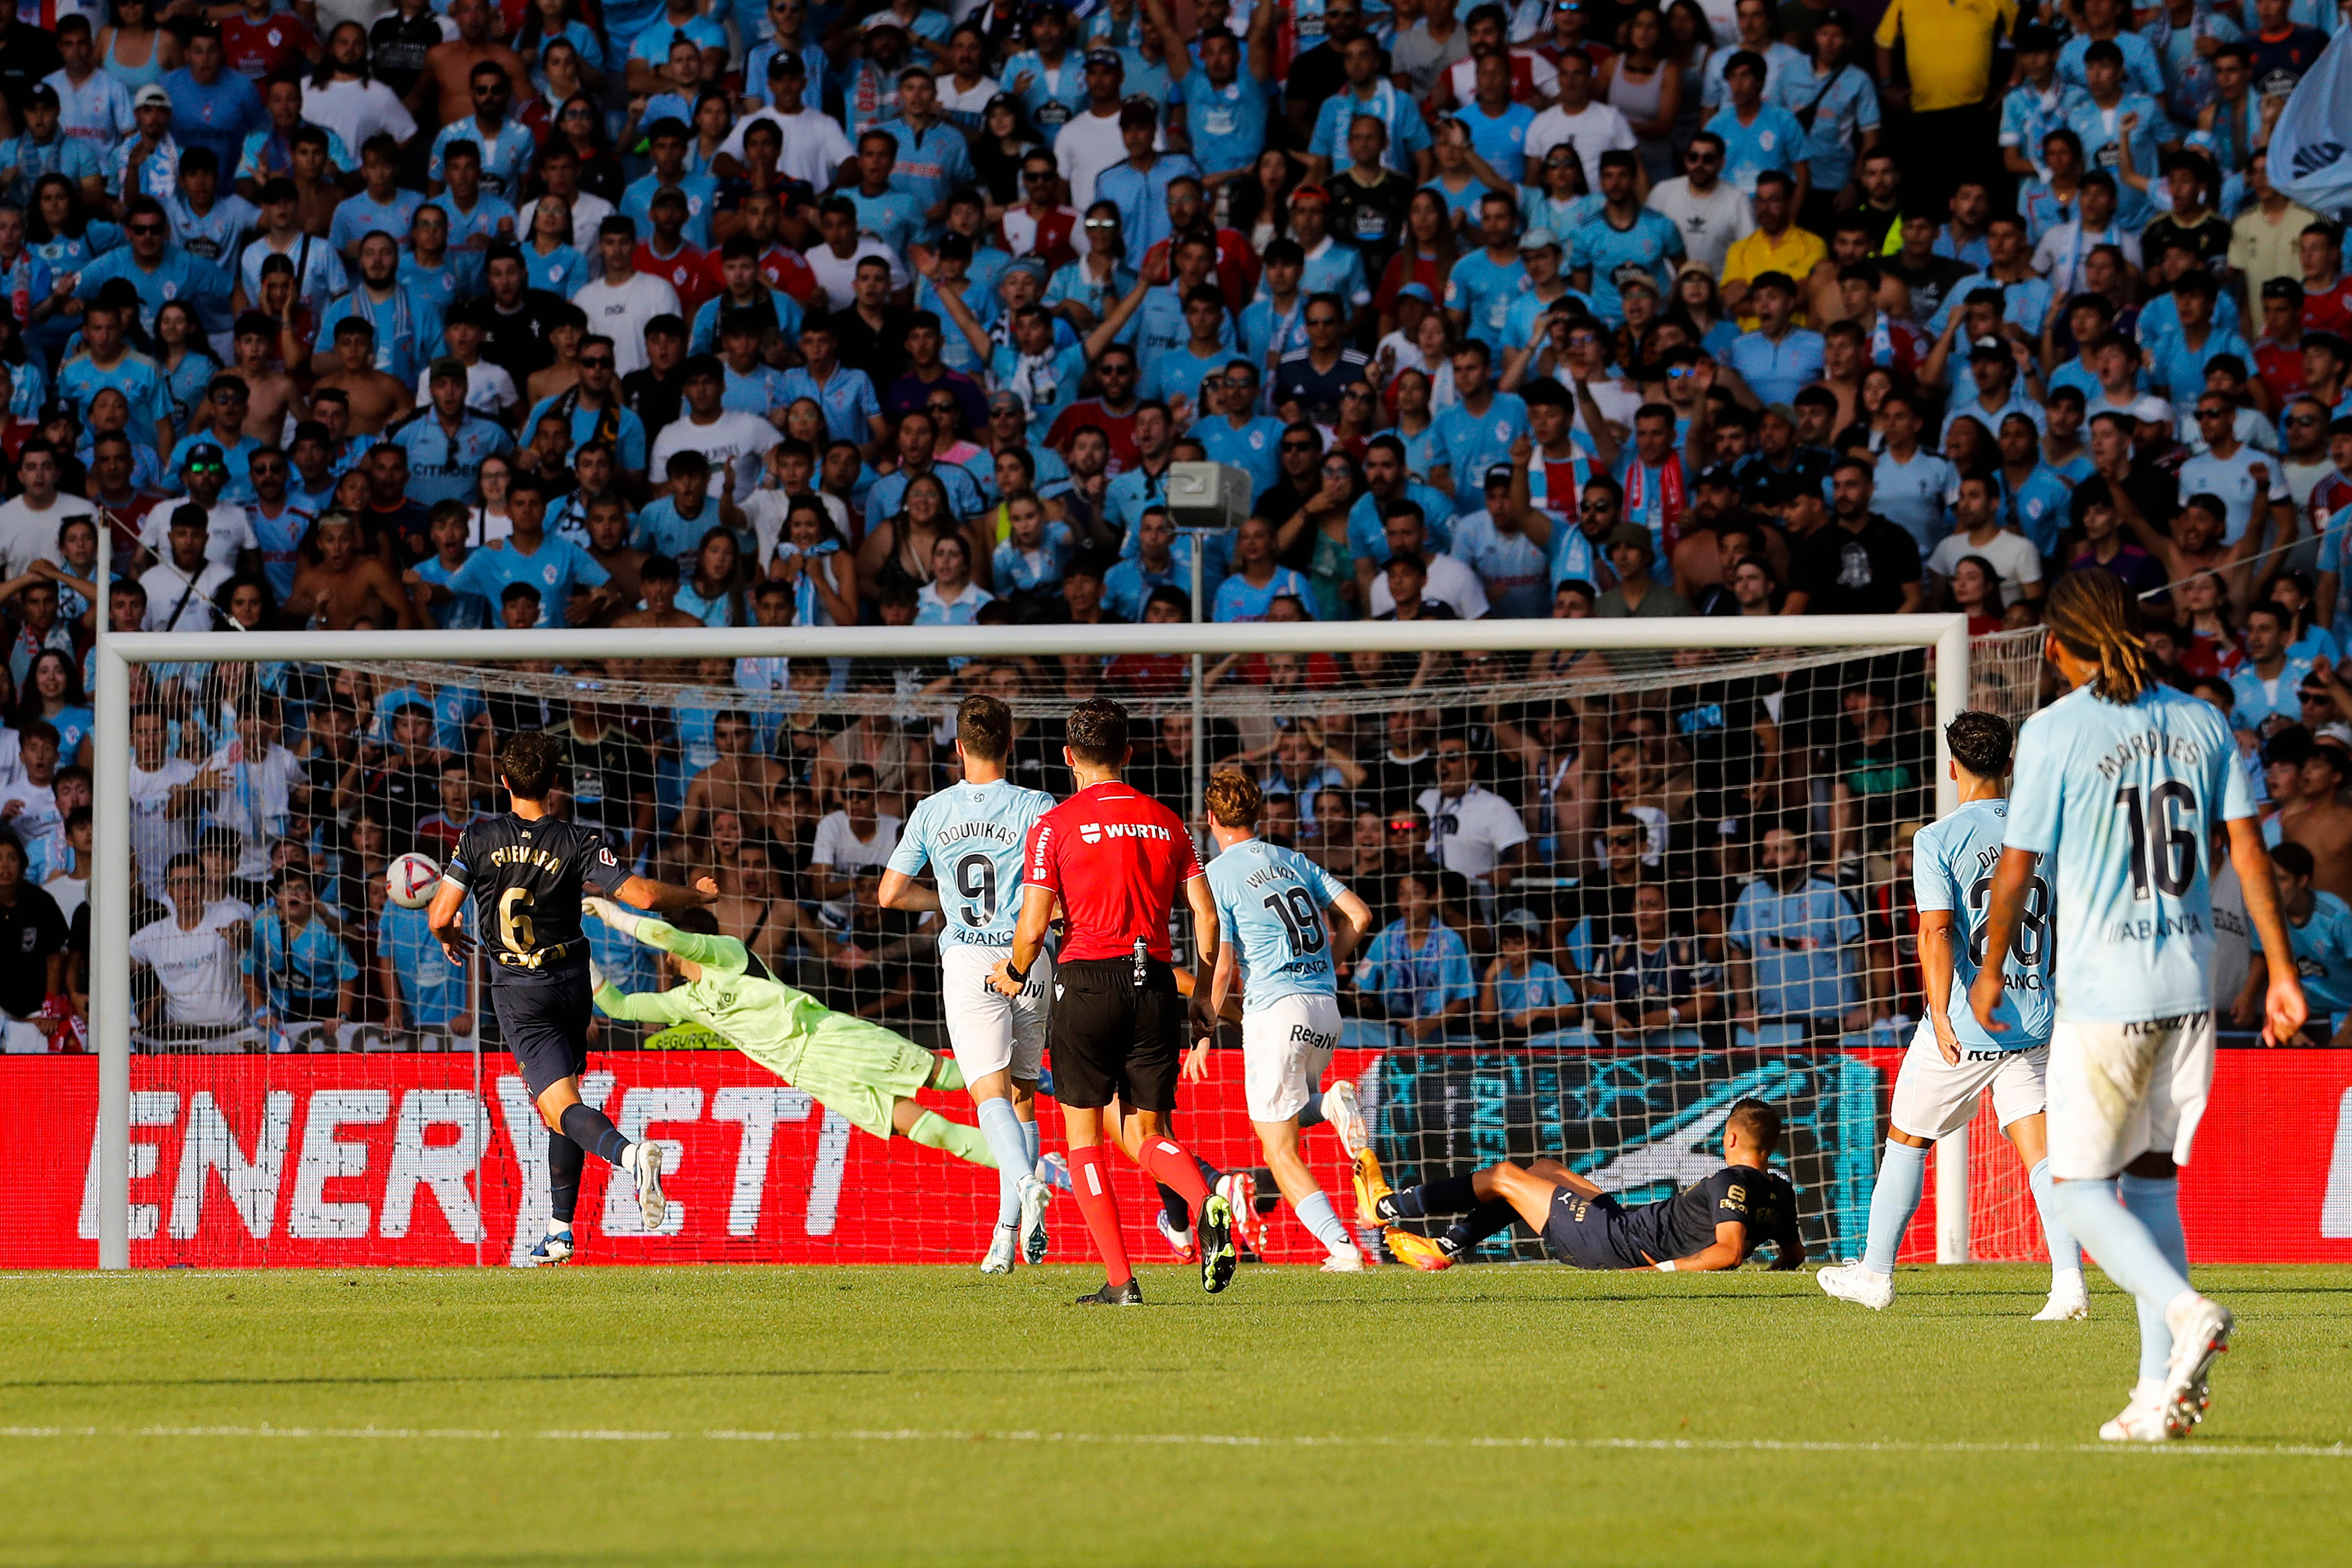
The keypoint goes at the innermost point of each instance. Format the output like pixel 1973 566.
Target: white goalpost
pixel 1937 646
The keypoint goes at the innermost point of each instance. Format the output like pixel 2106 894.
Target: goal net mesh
pixel 1721 832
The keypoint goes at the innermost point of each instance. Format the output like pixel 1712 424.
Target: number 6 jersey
pixel 527 879
pixel 2125 798
pixel 1951 869
pixel 971 836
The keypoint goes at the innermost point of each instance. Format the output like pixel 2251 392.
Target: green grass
pixel 1469 1418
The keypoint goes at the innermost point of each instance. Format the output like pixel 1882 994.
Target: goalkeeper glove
pixel 623 921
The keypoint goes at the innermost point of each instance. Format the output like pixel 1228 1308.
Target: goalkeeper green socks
pixel 947 1074
pixel 934 1131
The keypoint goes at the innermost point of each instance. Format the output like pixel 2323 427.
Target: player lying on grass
pixel 861 1070
pixel 1713 1224
pixel 1953 1062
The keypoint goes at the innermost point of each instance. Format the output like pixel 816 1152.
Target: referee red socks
pixel 1091 1186
pixel 1166 1163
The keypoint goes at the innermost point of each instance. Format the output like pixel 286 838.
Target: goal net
pixel 1623 874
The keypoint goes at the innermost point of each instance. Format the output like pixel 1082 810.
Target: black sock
pixel 1210 1173
pixel 1446 1195
pixel 1312 1116
pixel 1464 1234
pixel 564 1160
pixel 594 1131
pixel 1172 1203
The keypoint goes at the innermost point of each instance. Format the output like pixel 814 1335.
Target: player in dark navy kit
pixel 527 873
pixel 1712 1224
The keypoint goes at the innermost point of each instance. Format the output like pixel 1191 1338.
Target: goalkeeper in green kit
pixel 861 1070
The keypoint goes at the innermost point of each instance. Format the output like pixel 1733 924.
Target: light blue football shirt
pixel 971 835
pixel 2322 955
pixel 2125 797
pixel 1270 902
pixel 1951 868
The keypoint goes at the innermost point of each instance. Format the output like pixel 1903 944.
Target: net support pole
pixel 109 925
pixel 1199 685
pixel 1952 1150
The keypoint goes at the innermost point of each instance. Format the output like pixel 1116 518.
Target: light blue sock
pixel 2157 1204
pixel 2129 1256
pixel 1029 1140
pixel 1324 1225
pixel 1002 1128
pixel 1902 1176
pixel 2065 1252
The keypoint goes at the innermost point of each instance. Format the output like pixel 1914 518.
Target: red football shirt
pixel 1119 860
pixel 683 269
pixel 1119 428
pixel 2330 311
pixel 259 50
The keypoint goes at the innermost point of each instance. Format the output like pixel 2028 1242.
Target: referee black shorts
pixel 546 1027
pixel 1114 1036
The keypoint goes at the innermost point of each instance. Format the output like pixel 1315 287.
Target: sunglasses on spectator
pixel 1322 320
pixel 146 228
pixel 1102 222
pixel 2304 419
pixel 1299 446
pixel 601 362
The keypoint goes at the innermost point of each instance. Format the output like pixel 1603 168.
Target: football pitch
pixel 1505 1415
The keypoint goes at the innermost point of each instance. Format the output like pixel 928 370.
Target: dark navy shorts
pixel 1582 1232
pixel 546 1027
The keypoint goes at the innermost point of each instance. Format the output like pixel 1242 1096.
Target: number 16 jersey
pixel 527 878
pixel 2125 797
pixel 1951 869
pixel 971 836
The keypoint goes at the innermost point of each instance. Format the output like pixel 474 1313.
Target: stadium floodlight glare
pixel 1645 654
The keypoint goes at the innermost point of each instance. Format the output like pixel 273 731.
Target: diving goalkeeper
pixel 1712 1224
pixel 861 1070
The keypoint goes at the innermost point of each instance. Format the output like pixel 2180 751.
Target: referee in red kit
pixel 1117 859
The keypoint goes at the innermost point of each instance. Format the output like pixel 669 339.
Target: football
pixel 410 879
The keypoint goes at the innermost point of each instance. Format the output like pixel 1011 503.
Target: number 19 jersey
pixel 971 835
pixel 1951 869
pixel 1270 902
pixel 2125 797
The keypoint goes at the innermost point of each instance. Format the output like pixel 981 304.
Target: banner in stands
pixel 357 1160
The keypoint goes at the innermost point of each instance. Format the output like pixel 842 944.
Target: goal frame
pixel 110 988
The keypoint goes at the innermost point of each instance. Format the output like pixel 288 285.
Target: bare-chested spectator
pixel 2304 778
pixel 270 393
pixel 344 586
pixel 742 781
pixel 373 398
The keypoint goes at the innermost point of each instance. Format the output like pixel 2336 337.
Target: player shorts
pixel 2119 1091
pixel 1285 1046
pixel 991 1031
pixel 1582 1232
pixel 1113 1036
pixel 1933 1097
pixel 856 1068
pixel 546 1027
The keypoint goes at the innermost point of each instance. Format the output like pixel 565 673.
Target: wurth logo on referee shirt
pixel 1095 832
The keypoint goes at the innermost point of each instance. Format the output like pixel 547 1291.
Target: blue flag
pixel 2311 147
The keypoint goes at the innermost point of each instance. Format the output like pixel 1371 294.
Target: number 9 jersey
pixel 527 879
pixel 2125 798
pixel 972 836
pixel 1952 863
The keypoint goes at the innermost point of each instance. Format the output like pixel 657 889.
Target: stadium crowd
pixel 642 315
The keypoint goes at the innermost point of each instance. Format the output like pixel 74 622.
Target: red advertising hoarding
pixel 365 1159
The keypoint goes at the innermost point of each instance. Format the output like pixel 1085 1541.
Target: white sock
pixel 629 1158
pixel 558 1226
pixel 1326 1225
pixel 1003 1131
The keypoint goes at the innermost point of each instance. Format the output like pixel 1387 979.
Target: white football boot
pixel 1036 1197
pixel 2070 1298
pixel 2201 1333
pixel 2149 1418
pixel 1850 1282
pixel 650 1202
pixel 1002 1247
pixel 1345 1115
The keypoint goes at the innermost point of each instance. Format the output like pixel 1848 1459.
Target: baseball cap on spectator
pixel 1781 412
pixel 1628 532
pixel 205 454
pixel 2033 38
pixel 787 63
pixel 1521 921
pixel 1310 194
pixel 2285 289
pixel 44 94
pixel 1416 291
pixel 1719 477
pixel 151 96
pixel 2152 411
pixel 1989 347
pixel 1102 56
pixel 1634 282
pixel 1539 238
pixel 883 18
pixel 1500 474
